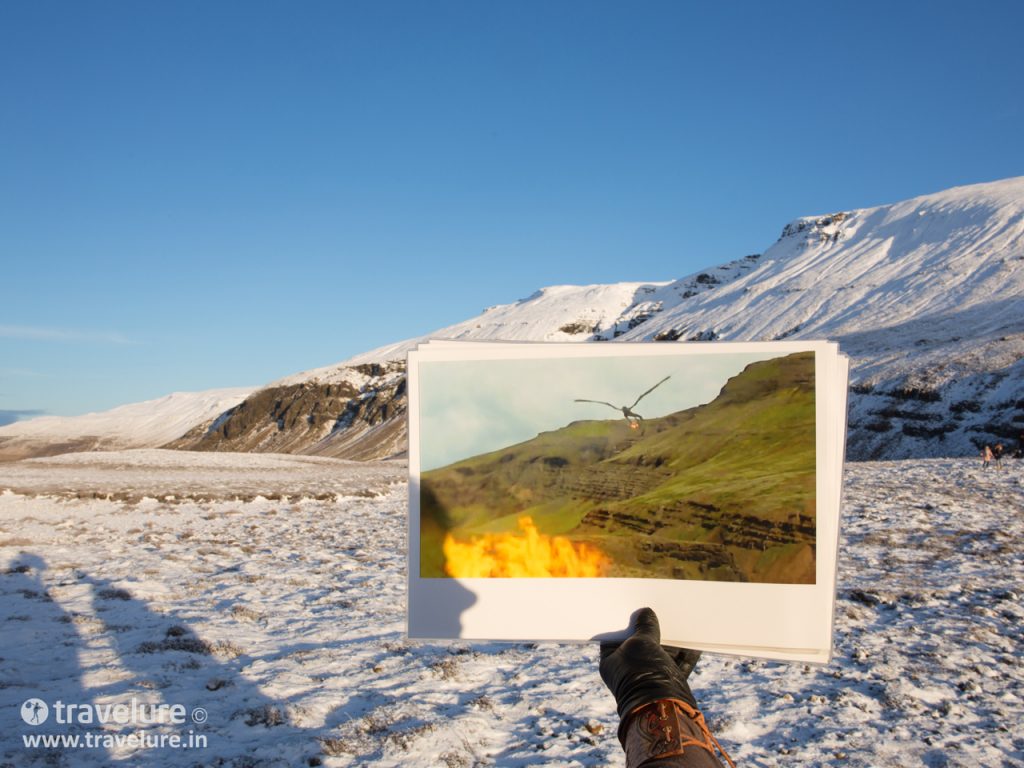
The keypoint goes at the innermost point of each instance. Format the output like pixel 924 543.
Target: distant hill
pixel 722 491
pixel 138 425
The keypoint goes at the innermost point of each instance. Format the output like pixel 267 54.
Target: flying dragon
pixel 632 416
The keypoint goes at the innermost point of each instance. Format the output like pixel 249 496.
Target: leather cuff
pixel 667 728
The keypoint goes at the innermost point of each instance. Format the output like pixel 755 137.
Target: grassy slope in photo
pixel 722 491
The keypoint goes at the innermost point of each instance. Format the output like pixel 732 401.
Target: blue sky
pixel 196 195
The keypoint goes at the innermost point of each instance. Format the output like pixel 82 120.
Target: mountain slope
pixel 879 268
pixel 925 295
pixel 137 425
pixel 927 298
pixel 359 414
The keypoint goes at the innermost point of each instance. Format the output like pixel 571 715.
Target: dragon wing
pixel 645 394
pixel 602 402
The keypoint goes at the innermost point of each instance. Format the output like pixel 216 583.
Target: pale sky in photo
pixel 473 407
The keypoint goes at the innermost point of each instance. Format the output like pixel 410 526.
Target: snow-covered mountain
pixel 138 425
pixel 925 295
pixel 892 270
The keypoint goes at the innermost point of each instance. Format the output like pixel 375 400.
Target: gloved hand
pixel 640 670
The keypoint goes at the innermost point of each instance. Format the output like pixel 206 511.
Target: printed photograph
pixel 669 467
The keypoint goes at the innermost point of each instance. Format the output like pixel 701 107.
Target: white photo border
pixel 775 621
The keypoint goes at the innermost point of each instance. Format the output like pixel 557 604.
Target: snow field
pixel 269 590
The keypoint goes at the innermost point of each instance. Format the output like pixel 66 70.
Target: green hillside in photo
pixel 723 491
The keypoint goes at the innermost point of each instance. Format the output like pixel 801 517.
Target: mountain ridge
pixel 925 295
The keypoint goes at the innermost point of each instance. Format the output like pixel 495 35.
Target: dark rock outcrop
pixel 358 418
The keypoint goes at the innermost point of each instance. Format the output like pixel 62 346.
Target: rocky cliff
pixel 360 416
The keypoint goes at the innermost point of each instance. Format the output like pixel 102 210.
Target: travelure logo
pixel 35 711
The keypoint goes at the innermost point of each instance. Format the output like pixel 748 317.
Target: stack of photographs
pixel 557 488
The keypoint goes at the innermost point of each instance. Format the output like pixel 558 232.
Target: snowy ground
pixel 266 591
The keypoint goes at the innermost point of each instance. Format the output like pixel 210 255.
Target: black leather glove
pixel 640 670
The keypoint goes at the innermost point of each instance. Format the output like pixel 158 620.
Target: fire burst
pixel 529 553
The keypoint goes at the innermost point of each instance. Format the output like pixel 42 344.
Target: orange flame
pixel 530 553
